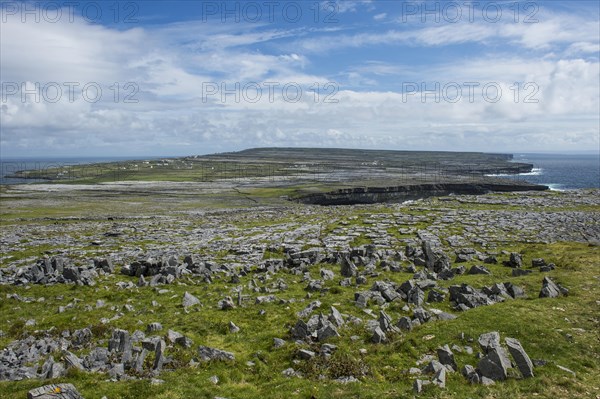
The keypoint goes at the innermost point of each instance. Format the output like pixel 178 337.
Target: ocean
pixel 558 171
pixel 562 172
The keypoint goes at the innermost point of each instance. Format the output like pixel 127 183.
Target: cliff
pixel 371 195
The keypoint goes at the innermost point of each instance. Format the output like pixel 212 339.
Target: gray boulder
pixel 361 299
pixel 346 282
pixel 479 269
pixel 489 340
pixel 422 315
pixel 523 361
pixel 385 322
pixel 105 264
pixel 189 300
pixel 51 369
pixel 150 343
pixel 120 342
pixel 117 371
pixel 172 336
pixel 159 356
pixel 336 317
pixel 305 354
pixel 309 309
pixel 327 274
pixel 97 359
pixel 416 296
pixel 514 290
pixel 470 374
pixel 538 262
pixel 81 337
pixel 446 357
pixel 433 367
pixel 490 260
pixel 435 296
pixel 494 365
pixel 327 331
pixel 72 274
pixel 153 327
pixel 404 323
pixel 207 354
pixel 407 286
pixel 389 294
pixel 515 260
pixel 184 342
pixel 72 360
pixel 520 272
pixel 378 336
pixel 300 330
pixel 348 268
pixel 419 385
pixel 226 303
pixel 439 378
pixel 468 297
pixel 549 289
pixel 138 364
pixel 233 328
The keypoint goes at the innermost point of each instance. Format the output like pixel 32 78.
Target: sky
pixel 141 78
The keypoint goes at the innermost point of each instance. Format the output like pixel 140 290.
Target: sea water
pixel 562 172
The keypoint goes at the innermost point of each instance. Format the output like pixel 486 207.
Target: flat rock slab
pixel 55 391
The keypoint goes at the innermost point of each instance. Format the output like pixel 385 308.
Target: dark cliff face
pixel 371 195
pixel 512 168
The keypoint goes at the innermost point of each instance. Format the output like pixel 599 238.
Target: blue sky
pixel 194 77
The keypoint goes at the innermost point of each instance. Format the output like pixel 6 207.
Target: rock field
pixel 401 265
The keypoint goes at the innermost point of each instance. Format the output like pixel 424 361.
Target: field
pixel 271 257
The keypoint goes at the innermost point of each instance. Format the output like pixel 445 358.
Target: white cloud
pixel 581 48
pixel 343 6
pixel 170 64
pixel 554 30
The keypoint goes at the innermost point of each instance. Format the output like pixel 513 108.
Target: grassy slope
pixel 541 325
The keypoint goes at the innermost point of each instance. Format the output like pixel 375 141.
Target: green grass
pixel 542 325
pixel 360 241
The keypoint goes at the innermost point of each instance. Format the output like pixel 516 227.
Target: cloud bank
pixel 370 81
